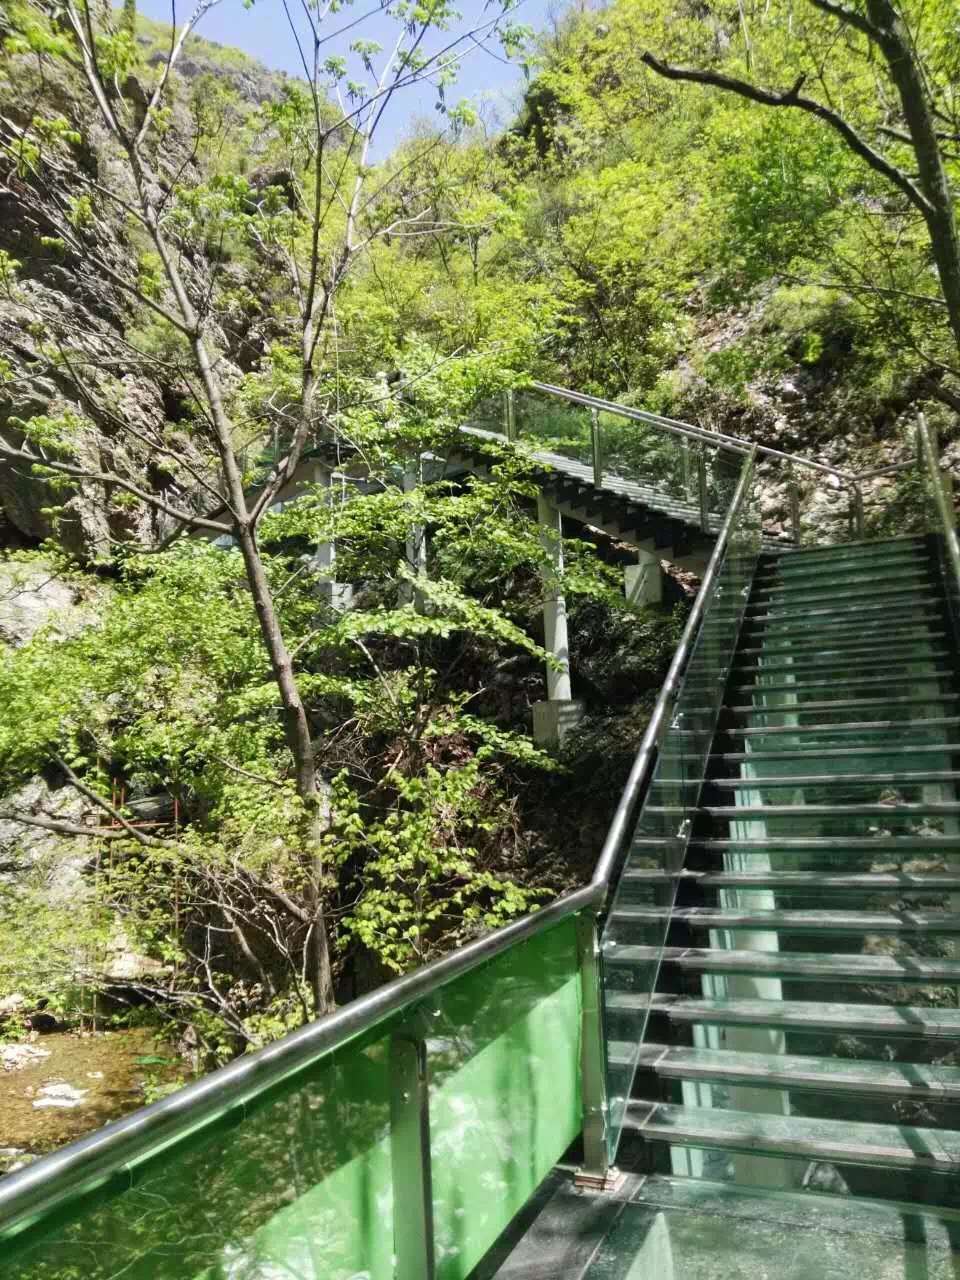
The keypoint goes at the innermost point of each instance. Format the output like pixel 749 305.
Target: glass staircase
pixel 781 993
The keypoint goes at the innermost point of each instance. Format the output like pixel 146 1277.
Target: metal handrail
pixel 734 443
pixel 611 855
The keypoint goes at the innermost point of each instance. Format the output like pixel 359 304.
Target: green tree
pixel 307 228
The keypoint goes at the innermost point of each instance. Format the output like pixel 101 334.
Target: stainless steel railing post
pixel 596 454
pixel 793 493
pixel 702 491
pixel 413 1235
pixel 595 1172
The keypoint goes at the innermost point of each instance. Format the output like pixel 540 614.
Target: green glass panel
pixel 505 1096
pixel 301 1181
pixel 298 1183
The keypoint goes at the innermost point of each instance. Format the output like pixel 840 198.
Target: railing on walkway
pixel 396 1137
pixel 650 845
pixel 690 464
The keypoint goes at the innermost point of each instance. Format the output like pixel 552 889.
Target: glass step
pixel 848 755
pixel 818 967
pixel 876 846
pixel 897 922
pixel 811 1015
pixel 838 1141
pixel 909 636
pixel 832 635
pixel 867 546
pixel 867 881
pixel 902 568
pixel 900 608
pixel 925 725
pixel 887 1223
pixel 847 613
pixel 888 659
pixel 907 778
pixel 866 621
pixel 797 1071
pixel 840 683
pixel 830 705
pixel 800 794
pixel 856 590
pixel 841 812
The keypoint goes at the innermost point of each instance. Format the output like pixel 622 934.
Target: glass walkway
pixel 735 1053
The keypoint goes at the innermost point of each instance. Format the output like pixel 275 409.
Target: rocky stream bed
pixel 55 1088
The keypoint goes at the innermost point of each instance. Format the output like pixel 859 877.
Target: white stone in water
pixel 15 1056
pixel 60 1095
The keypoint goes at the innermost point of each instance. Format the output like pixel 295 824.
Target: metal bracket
pixel 611 1181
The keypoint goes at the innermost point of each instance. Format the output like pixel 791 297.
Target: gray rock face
pixel 73 340
pixel 55 870
pixel 31 597
pixel 53 863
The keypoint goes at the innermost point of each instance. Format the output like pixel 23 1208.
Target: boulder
pixel 33 596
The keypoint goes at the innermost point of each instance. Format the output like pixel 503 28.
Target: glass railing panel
pixel 298 1184
pixel 632 950
pixel 490 414
pixel 505 1094
pixel 681 474
pixel 300 1181
pixel 548 424
pixel 647 455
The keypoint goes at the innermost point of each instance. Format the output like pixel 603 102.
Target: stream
pixel 55 1088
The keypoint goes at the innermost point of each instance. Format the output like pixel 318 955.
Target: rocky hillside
pixel 114 375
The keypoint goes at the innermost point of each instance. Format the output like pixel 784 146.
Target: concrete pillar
pixel 643 581
pixel 336 594
pixel 416 544
pixel 555 717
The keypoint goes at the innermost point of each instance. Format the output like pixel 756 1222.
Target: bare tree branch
pixel 151 842
pixel 111 477
pixel 848 16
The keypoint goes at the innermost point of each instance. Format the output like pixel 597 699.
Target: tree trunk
pixel 297 730
pixel 894 41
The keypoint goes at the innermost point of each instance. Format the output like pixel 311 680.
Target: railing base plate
pixel 612 1180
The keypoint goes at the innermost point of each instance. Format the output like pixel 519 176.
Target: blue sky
pixel 262 31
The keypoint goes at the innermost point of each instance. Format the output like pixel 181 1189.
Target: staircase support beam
pixel 553 719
